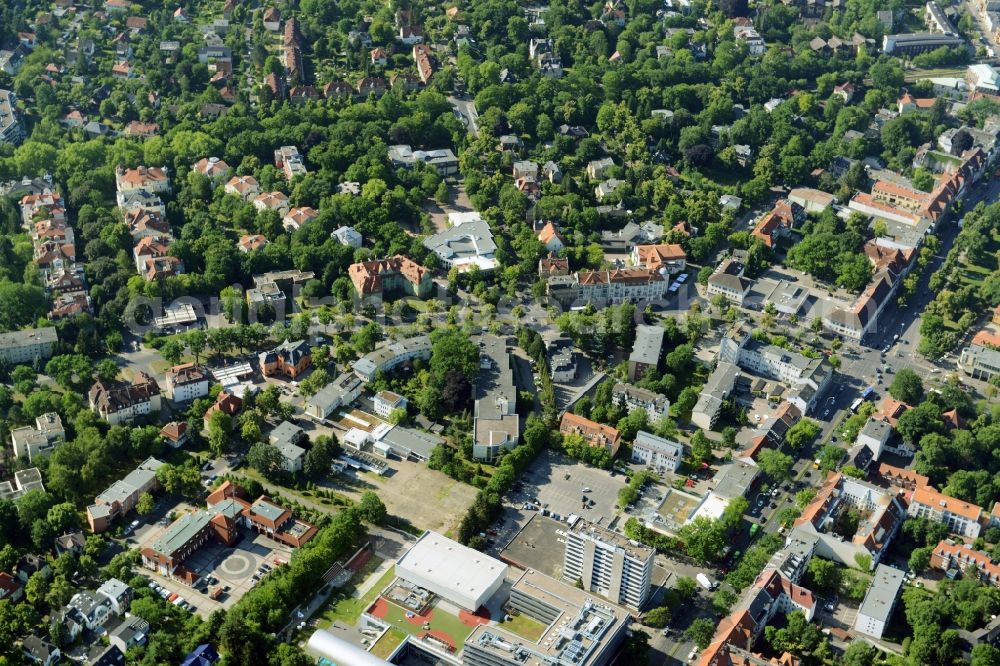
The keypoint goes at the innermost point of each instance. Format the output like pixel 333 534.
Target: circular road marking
pixel 237 565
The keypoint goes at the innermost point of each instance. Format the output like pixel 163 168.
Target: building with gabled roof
pixel 669 257
pixel 375 280
pixel 882 514
pixel 122 496
pixel 121 402
pixel 960 517
pixel 593 433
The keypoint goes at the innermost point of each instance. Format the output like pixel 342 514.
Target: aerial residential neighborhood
pixel 500 333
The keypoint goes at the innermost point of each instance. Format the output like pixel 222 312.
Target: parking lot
pixel 560 483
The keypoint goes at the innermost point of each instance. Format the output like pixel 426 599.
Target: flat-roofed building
pixel 29 442
pixel 580 628
pixel 608 564
pixel 646 351
pixel 812 200
pixel 980 361
pixel 463 576
pixel 27 345
pixel 11 130
pixel 787 297
pixel 386 402
pixel 880 601
pixel 24 481
pixel 654 451
pixel 496 425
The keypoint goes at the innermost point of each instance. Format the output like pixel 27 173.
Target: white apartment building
pixel 663 454
pixel 186 382
pixel 632 397
pixel 608 564
pixel 391 355
pixel 42 439
pixel 880 601
pixel 27 345
pixel 386 402
pixel 960 517
pixel 875 435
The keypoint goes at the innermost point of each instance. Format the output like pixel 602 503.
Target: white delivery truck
pixel 705 582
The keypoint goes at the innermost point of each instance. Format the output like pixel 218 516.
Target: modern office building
pixel 608 564
pixel 580 628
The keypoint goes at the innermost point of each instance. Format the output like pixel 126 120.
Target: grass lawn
pixel 526 627
pixel 385 645
pixel 346 608
pixel 395 617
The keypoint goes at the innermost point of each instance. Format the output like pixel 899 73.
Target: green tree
pixel 371 508
pixel 266 459
pixel 145 505
pixel 701 632
pixel 920 559
pixel 907 387
pixel 657 618
pixel 802 434
pixel 775 464
pixel 824 574
pixel 703 538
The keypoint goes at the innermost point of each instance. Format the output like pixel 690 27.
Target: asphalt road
pixel 466 108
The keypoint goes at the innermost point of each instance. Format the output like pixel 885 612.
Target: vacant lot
pixel 423 497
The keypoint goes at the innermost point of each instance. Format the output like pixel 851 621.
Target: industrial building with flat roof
pixel 608 564
pixel 461 575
